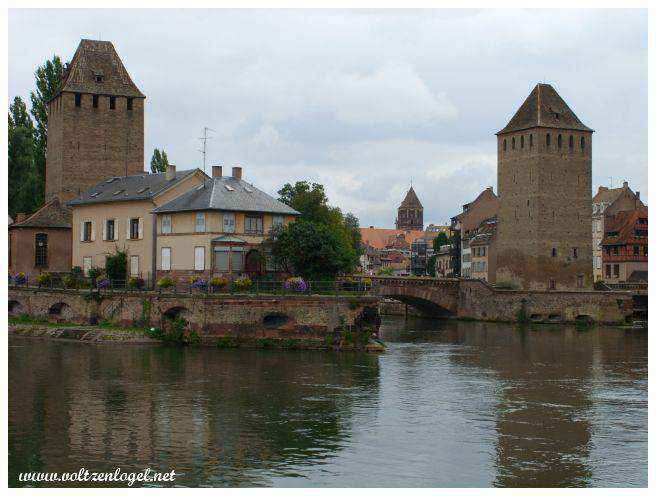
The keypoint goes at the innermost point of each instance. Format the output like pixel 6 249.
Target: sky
pixel 365 102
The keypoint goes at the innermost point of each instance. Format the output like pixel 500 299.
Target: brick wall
pixel 22 250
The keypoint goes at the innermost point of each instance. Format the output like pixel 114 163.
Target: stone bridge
pixel 249 316
pixel 476 299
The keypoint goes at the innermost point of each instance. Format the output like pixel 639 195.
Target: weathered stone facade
pixel 95 123
pixel 410 214
pixel 215 316
pixel 544 182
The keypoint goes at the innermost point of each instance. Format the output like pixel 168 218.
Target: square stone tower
pixel 95 123
pixel 544 238
pixel 410 214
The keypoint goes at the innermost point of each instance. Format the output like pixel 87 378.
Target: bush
pixel 44 279
pixel 135 283
pixel 76 271
pixel 95 273
pixel 218 282
pixel 296 284
pixel 242 283
pixel 69 281
pixel 116 266
pixel 198 283
pixel 165 282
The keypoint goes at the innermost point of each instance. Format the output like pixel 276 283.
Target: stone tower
pixel 410 215
pixel 544 238
pixel 95 123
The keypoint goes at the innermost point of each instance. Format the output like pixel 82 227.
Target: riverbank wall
pixel 222 319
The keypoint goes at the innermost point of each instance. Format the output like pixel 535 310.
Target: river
pixel 449 404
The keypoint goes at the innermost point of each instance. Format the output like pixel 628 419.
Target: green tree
pixel 322 243
pixel 440 241
pixel 22 187
pixel 48 80
pixel 159 161
pixel 431 266
pixel 312 250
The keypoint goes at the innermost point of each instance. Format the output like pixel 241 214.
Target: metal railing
pixel 257 287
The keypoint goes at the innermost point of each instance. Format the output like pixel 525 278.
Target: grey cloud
pixel 363 100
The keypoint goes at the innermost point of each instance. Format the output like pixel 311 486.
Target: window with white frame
pixel 165 262
pixel 134 266
pixel 199 258
pixel 277 220
pixel 200 222
pixel 229 222
pixel 86 265
pixel 253 224
pixel 166 224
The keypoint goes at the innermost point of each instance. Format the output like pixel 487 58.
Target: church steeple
pixel 410 214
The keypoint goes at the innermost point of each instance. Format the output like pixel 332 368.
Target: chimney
pixel 236 172
pixel 217 171
pixel 625 184
pixel 170 172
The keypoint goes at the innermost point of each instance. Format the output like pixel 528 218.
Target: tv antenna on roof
pixel 204 140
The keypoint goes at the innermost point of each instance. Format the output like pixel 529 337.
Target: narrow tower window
pixel 505 145
pixel 548 139
pixel 582 143
pixel 560 141
pixel 571 142
pixel 554 253
pixel 513 143
pixel 129 103
pixel 112 102
pixel 521 142
pixel 78 99
pixel 95 101
pixel 530 141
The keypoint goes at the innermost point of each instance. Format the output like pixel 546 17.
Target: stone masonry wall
pixel 211 316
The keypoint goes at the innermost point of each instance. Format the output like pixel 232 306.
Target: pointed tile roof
pixel 544 108
pixel 411 200
pixel 52 214
pixel 97 68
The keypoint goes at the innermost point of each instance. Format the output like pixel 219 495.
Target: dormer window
pixel 98 78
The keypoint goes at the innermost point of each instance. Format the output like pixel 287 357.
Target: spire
pixel 97 68
pixel 544 108
pixel 411 200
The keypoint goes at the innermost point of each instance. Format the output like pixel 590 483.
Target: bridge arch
pixel 435 297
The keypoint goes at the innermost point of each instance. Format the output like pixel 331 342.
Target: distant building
pixel 482 244
pixel 544 185
pixel 443 262
pixel 622 199
pixel 485 206
pixel 410 214
pixel 624 246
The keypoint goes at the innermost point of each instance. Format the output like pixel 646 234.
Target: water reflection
pixel 449 404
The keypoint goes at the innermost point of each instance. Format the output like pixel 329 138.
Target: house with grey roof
pixel 117 214
pixel 218 227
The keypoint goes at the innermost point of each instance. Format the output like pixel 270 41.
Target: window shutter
pixel 140 228
pixel 104 230
pixel 93 231
pixel 82 231
pixel 127 228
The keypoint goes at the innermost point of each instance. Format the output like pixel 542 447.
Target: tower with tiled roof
pixel 410 214
pixel 95 123
pixel 544 178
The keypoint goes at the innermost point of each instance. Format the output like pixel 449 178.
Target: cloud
pixel 363 101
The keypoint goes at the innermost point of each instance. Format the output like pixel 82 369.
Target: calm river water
pixel 449 404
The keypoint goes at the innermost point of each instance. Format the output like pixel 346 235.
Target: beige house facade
pixel 116 214
pixel 218 229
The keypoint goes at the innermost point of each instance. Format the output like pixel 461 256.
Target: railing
pixel 257 287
